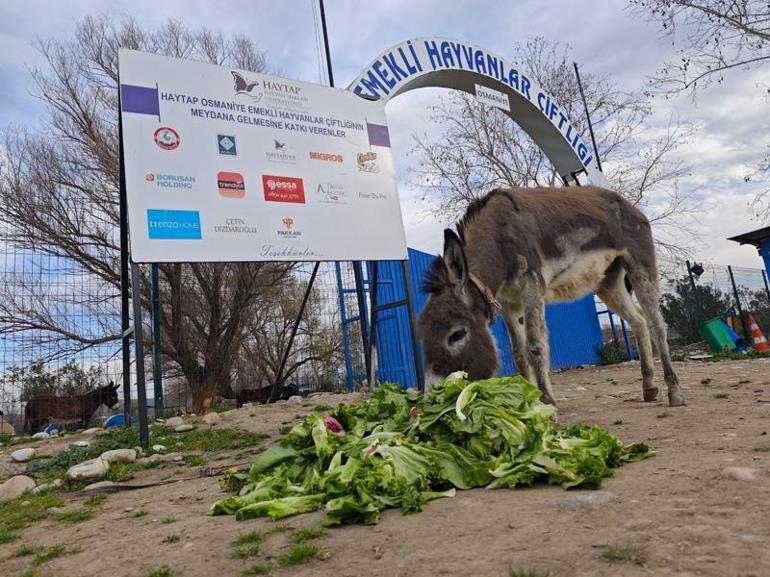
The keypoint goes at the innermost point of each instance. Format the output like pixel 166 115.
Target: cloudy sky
pixel 732 119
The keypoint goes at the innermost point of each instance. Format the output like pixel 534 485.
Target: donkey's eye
pixel 457 336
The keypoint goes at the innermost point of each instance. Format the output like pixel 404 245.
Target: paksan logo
pixel 331 193
pixel 288 231
pixel 171 180
pixel 167 138
pixel 231 185
pixel 326 156
pixel 173 224
pixel 283 189
pixel 244 87
pixel 281 153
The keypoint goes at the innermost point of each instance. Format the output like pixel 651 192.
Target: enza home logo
pixel 174 224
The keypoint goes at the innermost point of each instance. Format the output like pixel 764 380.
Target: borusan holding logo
pixel 171 180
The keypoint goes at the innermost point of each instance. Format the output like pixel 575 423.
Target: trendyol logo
pixel 166 138
pixel 231 184
pixel 283 189
pixel 173 224
pixel 326 156
pixel 170 180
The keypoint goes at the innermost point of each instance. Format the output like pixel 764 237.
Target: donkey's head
pixel 107 395
pixel 454 324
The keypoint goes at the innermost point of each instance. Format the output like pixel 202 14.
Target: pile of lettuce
pixel 399 449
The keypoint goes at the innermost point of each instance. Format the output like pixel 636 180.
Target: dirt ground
pixel 677 505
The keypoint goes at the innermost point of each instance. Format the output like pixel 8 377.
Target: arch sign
pixel 442 62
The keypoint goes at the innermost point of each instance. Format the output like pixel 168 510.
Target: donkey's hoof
pixel 650 394
pixel 675 399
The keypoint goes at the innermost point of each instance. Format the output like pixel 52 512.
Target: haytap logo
pixel 245 87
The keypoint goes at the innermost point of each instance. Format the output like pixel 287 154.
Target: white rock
pixel 98 485
pixel 24 455
pixel 183 428
pixel 211 419
pixel 26 503
pixel 295 399
pixel 41 435
pixel 739 474
pixel 152 459
pixel 174 421
pixel 177 457
pixel 15 487
pixel 81 444
pixel 92 430
pixel 42 487
pixel 89 470
pixel 159 448
pixel 119 456
pixel 246 405
pixel 57 483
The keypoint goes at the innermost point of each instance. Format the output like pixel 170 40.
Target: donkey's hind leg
pixel 615 294
pixel 648 294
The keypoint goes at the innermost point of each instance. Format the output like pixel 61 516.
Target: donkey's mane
pixel 475 208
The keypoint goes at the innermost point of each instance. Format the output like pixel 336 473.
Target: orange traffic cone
pixel 760 342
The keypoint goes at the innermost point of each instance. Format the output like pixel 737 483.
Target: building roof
pixel 754 237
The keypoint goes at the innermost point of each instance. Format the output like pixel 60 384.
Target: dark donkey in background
pixel 41 409
pixel 520 248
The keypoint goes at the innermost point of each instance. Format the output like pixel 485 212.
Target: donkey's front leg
pixel 537 347
pixel 513 315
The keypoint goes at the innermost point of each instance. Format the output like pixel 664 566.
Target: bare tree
pixel 59 199
pixel 714 38
pixel 482 148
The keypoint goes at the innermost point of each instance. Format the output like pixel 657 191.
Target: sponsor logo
pixel 170 180
pixel 281 153
pixel 226 145
pixel 326 156
pixel 167 138
pixel 284 95
pixel 372 196
pixel 493 97
pixel 288 231
pixel 244 87
pixel 283 189
pixel 332 193
pixel 174 224
pixel 231 184
pixel 235 225
pixel 367 162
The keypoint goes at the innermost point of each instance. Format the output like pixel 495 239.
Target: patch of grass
pixel 14 517
pixel 74 516
pixel 618 422
pixel 255 570
pixel 279 528
pixel 721 395
pixel 25 550
pixel 95 500
pixel 53 553
pixel 322 408
pixel 194 460
pixel 678 356
pixel 171 539
pixel 627 553
pixel 734 356
pixel 6 439
pixel 303 535
pixel 252 537
pixel 122 472
pixel 208 440
pixel 247 551
pixel 168 520
pixel 705 381
pixel 221 408
pixel 29 573
pixel 139 514
pixel 285 429
pixel 529 573
pixel 162 572
pixel 299 554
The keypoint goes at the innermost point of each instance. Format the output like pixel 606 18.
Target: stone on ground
pixel 98 485
pixel 24 455
pixel 16 487
pixel 88 470
pixel 174 421
pixel 183 428
pixel 119 456
pixel 41 435
pixel 739 474
pixel 212 419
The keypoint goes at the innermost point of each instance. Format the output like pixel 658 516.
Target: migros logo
pixel 326 156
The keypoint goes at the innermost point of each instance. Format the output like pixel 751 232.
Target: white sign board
pixel 230 165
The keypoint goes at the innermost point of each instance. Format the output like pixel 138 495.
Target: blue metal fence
pixel 573 327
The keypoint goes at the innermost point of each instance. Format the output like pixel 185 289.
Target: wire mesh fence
pixel 60 333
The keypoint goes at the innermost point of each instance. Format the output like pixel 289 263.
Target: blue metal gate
pixel 573 327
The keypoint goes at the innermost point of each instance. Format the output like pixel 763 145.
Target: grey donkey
pixel 516 250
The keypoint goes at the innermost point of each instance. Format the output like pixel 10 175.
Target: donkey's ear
pixel 454 258
pixel 112 385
